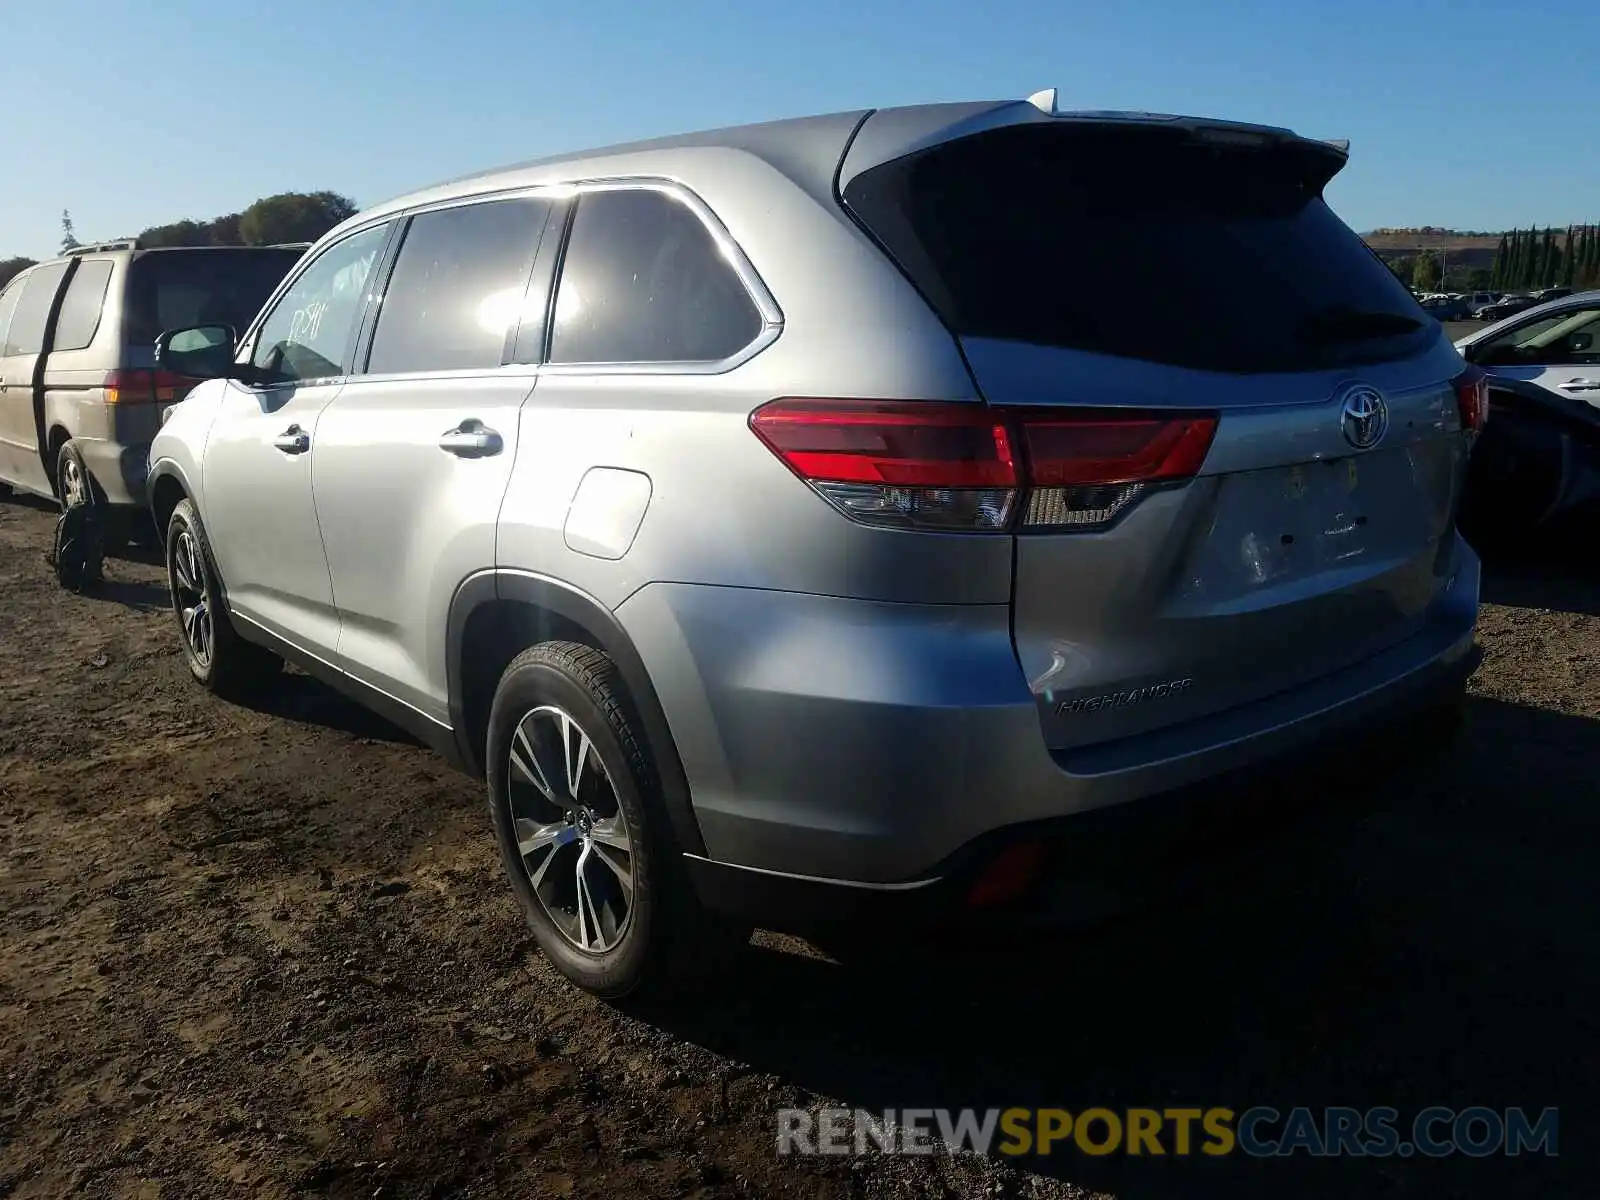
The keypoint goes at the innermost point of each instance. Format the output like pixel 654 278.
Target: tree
pixel 10 268
pixel 179 233
pixel 1402 267
pixel 1497 270
pixel 69 238
pixel 225 230
pixel 1547 259
pixel 1425 275
pixel 1513 262
pixel 293 217
pixel 1569 261
pixel 1479 280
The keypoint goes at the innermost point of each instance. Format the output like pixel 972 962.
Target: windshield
pixel 1139 244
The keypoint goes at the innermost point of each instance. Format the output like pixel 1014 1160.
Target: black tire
pixel 222 662
pixel 666 943
pixel 74 484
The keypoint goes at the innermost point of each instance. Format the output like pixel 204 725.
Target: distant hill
pixel 1470 249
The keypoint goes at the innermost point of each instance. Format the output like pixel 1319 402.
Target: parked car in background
pixel 1537 464
pixel 1552 293
pixel 1506 306
pixel 80 392
pixel 1478 300
pixel 761 515
pixel 1445 308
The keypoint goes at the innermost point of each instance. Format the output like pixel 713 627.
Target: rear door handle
pixel 1580 385
pixel 293 440
pixel 471 439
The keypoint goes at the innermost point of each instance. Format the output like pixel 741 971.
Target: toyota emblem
pixel 1364 417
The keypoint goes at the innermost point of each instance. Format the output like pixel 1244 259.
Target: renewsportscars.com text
pixel 1258 1132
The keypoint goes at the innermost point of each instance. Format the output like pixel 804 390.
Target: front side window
pixel 643 281
pixel 80 307
pixel 457 287
pixel 26 335
pixel 1567 339
pixel 308 333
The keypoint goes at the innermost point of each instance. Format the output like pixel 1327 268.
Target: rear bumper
pixel 870 748
pixel 119 469
pixel 1107 861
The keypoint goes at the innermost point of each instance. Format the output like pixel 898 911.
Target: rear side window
pixel 457 287
pixel 26 335
pixel 643 281
pixel 80 307
pixel 175 289
pixel 8 303
pixel 1141 244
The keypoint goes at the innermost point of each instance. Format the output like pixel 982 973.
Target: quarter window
pixel 458 287
pixel 26 335
pixel 643 281
pixel 8 303
pixel 308 333
pixel 80 308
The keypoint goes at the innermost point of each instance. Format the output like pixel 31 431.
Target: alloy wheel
pixel 189 597
pixel 572 835
pixel 74 488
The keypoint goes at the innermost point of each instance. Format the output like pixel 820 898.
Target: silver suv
pixel 820 518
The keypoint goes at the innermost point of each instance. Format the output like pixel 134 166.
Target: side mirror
pixel 200 351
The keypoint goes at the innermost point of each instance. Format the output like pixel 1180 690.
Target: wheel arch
pixel 495 615
pixel 165 486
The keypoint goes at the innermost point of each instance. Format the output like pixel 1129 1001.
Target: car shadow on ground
pixel 1538 580
pixel 301 698
pixel 1425 953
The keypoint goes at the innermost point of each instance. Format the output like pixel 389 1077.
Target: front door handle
pixel 1580 385
pixel 293 440
pixel 471 439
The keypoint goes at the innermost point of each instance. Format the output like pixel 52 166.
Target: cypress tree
pixel 1569 260
pixel 1547 259
pixel 1589 267
pixel 1513 253
pixel 1499 263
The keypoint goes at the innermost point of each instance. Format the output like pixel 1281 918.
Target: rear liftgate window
pixel 1139 243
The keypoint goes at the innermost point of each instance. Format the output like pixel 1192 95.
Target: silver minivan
pixel 818 523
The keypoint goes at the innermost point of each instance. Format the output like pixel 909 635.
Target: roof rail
pixel 101 247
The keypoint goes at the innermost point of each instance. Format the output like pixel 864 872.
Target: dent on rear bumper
pixel 860 741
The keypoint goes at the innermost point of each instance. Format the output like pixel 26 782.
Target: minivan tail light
pixel 962 467
pixel 1472 397
pixel 139 386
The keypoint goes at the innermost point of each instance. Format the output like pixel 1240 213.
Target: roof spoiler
pixel 1047 101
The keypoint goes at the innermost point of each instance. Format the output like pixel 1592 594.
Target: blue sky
pixel 1463 114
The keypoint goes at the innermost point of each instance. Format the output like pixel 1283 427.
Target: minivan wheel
pixel 217 656
pixel 74 485
pixel 583 835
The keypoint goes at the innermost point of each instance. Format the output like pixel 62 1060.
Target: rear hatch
pixel 183 287
pixel 1244 438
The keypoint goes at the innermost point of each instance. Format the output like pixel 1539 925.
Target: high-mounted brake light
pixel 145 387
pixel 1472 397
pixel 962 467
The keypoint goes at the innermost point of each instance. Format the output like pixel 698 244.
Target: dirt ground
pixel 269 953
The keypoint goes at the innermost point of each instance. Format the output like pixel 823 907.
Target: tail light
pixel 971 468
pixel 145 387
pixel 1472 398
